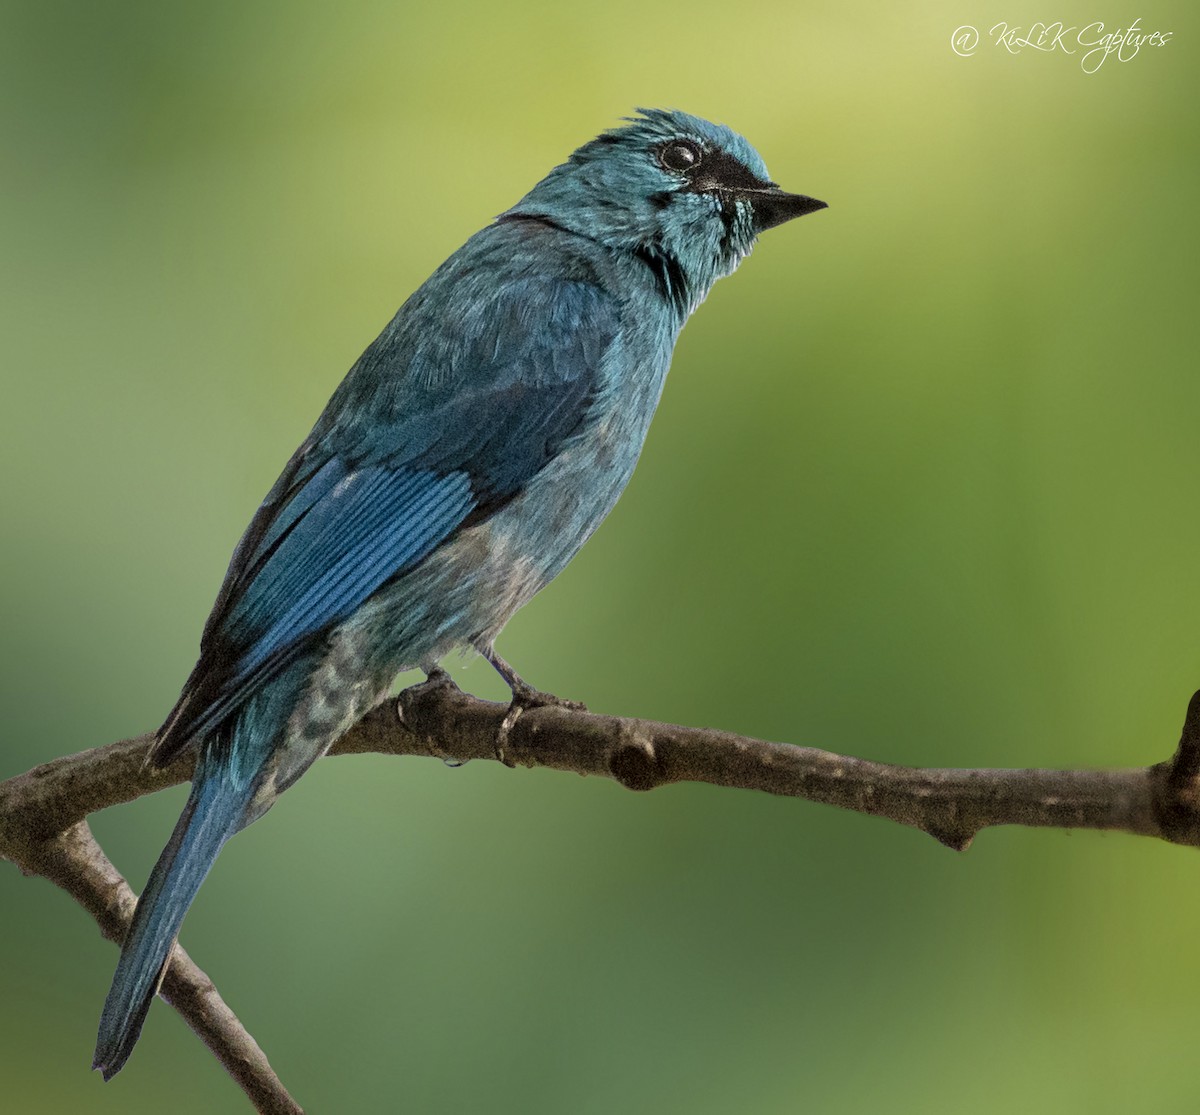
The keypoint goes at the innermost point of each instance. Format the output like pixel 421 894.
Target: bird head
pixel 677 190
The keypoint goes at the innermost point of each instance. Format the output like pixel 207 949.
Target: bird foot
pixel 435 678
pixel 525 697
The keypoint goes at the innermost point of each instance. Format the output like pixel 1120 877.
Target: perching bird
pixel 465 458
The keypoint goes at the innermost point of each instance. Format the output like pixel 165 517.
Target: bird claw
pixel 524 696
pixel 435 678
pixel 523 699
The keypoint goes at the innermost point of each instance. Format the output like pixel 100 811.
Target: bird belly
pixel 462 594
pixel 469 587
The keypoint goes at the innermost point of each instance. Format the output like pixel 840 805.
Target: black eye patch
pixel 723 172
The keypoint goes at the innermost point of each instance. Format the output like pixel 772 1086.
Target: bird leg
pixel 524 696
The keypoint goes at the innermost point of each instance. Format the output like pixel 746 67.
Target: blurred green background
pixel 922 488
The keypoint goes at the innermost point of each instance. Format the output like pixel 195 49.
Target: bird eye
pixel 680 155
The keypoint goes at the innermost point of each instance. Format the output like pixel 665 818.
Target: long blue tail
pixel 214 812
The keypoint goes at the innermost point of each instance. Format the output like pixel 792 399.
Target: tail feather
pixel 213 813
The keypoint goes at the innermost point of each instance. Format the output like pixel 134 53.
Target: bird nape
pixel 461 463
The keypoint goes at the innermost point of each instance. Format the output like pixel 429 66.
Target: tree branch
pixel 44 832
pixel 74 861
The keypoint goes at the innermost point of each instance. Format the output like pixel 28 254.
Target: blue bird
pixel 459 466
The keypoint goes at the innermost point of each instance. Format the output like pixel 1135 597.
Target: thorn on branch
pixel 1185 769
pixel 1178 805
pixel 957 840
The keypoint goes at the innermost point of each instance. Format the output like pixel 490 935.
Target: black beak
pixel 720 173
pixel 772 206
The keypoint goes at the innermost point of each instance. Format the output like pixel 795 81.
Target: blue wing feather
pixel 373 524
pixel 398 462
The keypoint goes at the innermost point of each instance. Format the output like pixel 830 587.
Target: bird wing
pixel 405 454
